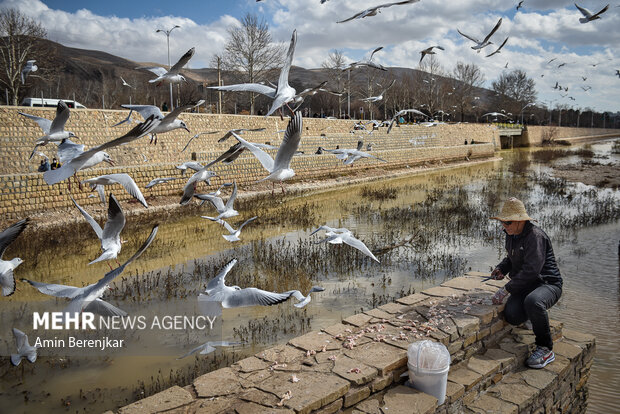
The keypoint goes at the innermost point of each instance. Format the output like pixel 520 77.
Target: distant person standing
pixel 535 282
pixel 55 164
pixel 164 107
pixel 45 165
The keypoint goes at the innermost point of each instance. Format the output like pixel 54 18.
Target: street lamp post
pixel 522 109
pixel 167 33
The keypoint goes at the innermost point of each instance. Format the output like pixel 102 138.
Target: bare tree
pixel 432 97
pixel 466 78
pixel 515 90
pixel 20 42
pixel 250 52
pixel 336 75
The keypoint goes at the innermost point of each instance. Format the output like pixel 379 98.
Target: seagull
pixel 587 87
pixel 171 75
pixel 196 136
pixel 373 11
pixel 485 42
pixel 301 96
pixel 161 181
pixel 494 114
pixel 585 78
pixel 110 236
pixel 238 131
pixel 520 4
pixel 123 179
pixel 8 236
pixel 587 14
pixel 400 113
pixel 190 187
pixel 429 51
pixel 618 72
pixel 30 67
pixel 282 94
pixel 68 150
pixel 368 62
pixel 209 347
pixel 95 155
pixel 126 84
pixel 234 234
pixel 498 50
pixel 343 235
pixel 54 130
pixel 225 210
pixel 196 166
pixel 24 349
pixel 88 298
pixel 349 156
pixel 167 123
pixel 216 193
pixel 235 297
pixel 380 96
pixel 280 168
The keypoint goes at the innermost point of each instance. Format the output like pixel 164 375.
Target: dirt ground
pixel 596 174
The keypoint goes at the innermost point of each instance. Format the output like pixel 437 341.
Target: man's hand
pixel 497 274
pixel 499 296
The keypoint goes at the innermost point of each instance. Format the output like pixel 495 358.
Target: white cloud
pixel 539 31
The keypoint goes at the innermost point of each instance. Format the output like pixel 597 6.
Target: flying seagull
pixel 123 179
pixel 161 181
pixel 190 187
pixel 368 62
pixel 587 14
pixel 498 49
pixel 209 346
pixel 373 11
pixel 224 210
pixel 88 298
pixel 234 234
pixel 380 96
pixel 235 297
pixel 29 67
pixel 69 150
pixel 280 168
pixel 171 75
pixel 520 4
pixel 196 136
pixel 403 112
pixel 125 83
pixel 485 42
pixel 282 94
pixel 54 130
pixel 192 165
pixel 167 123
pixel 343 235
pixel 429 51
pixel 24 349
pixel 110 236
pixel 238 131
pixel 87 158
pixel 349 156
pixel 8 236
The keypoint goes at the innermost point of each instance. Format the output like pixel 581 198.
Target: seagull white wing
pixel 498 49
pixel 103 308
pixel 59 291
pixel 499 23
pixel 177 111
pixel 218 282
pixel 228 226
pixel 145 110
pixel 467 36
pixel 253 297
pixel 96 227
pixel 62 115
pixel 129 184
pixel 160 181
pixel 44 123
pixel 359 245
pixel 248 87
pixel 290 143
pixel 9 235
pixel 584 11
pixel 283 79
pixel 68 150
pixel 231 199
pixel 244 223
pixel 216 201
pixel 183 61
pixel 264 158
pixel 158 70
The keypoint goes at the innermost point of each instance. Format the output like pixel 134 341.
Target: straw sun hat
pixel 513 210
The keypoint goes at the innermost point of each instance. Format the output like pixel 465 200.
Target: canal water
pixel 425 229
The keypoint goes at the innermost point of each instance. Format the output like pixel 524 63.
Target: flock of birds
pixel 74 157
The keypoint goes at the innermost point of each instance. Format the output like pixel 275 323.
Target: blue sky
pixel 540 31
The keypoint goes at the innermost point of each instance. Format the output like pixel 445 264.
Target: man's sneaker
pixel 528 325
pixel 540 357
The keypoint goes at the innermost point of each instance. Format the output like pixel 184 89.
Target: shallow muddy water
pixel 424 229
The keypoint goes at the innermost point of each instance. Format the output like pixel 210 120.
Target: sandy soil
pixel 590 173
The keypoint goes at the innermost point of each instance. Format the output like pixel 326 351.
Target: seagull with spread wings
pixel 484 42
pixel 380 96
pixel 280 168
pixel 368 62
pixel 209 346
pixel 172 75
pixel 88 298
pixel 587 14
pixel 54 130
pixel 224 210
pixel 373 11
pixel 234 234
pixel 29 67
pixel 429 51
pixel 123 179
pixel 343 235
pixel 8 236
pixel 282 94
pixel 401 113
pixel 24 349
pixel 498 49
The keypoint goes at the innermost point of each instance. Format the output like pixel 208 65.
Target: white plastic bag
pixel 428 355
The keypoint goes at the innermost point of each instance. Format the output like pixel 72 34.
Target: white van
pixel 50 103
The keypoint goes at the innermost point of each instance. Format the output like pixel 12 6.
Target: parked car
pixel 50 103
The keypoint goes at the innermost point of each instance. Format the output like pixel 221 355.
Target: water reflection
pixel 424 228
